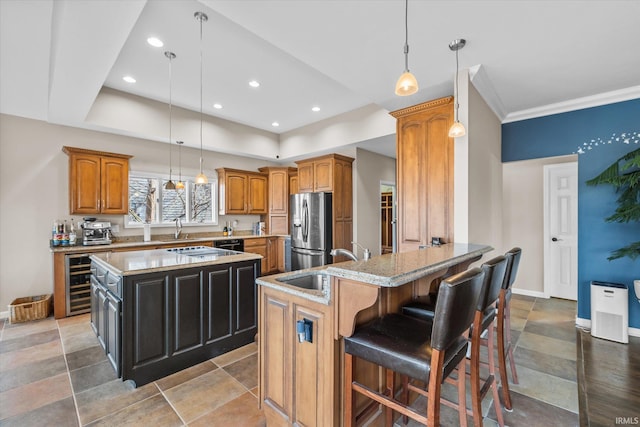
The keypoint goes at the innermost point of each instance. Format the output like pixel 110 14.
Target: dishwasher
pixel 230 244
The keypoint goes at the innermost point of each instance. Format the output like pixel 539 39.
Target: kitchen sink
pixel 202 251
pixel 316 281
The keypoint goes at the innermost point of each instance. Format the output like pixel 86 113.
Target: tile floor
pixel 54 373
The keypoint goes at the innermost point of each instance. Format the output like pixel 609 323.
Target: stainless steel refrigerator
pixel 311 230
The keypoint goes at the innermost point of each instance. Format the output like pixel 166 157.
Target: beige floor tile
pixel 551 317
pixel 15 359
pixel 185 375
pixel 547 345
pixel 245 370
pixel 111 397
pixel 547 388
pixel 79 341
pixel 34 395
pixel 75 329
pixel 235 355
pixel 242 411
pixel 154 411
pixel 74 320
pixel 18 330
pixel 203 394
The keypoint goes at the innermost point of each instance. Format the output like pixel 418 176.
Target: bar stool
pixel 485 314
pixel 504 326
pixel 421 350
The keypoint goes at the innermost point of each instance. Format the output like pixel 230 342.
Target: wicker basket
pixel 30 308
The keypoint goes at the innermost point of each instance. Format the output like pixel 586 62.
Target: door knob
pixel 555 239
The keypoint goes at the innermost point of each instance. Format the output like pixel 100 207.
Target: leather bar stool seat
pixel 422 350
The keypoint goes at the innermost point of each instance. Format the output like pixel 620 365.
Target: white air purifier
pixel 610 311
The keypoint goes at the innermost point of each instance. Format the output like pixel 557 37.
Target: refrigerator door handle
pixel 305 221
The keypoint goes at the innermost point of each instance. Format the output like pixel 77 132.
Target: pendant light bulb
pixel 201 178
pixel 170 184
pixel 407 83
pixel 457 129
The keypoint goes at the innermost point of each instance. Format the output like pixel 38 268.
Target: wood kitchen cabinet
pixel 242 192
pixel 300 385
pixel 332 173
pixel 424 173
pixel 98 182
pixel 277 218
pixel 268 248
pixel 294 188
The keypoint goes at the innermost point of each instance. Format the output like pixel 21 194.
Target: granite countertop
pixel 151 261
pixel 154 242
pixel 388 270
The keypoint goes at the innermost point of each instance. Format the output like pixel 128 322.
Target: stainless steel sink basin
pixel 315 281
pixel 202 251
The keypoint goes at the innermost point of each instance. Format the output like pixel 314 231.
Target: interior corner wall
pixel 602 135
pixel 370 169
pixel 485 174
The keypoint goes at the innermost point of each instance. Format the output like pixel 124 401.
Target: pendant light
pixel 457 129
pixel 170 185
pixel 407 83
pixel 180 184
pixel 201 178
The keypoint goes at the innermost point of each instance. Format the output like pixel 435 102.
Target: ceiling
pixel 55 56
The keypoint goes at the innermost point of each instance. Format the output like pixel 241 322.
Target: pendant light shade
pixel 180 184
pixel 407 83
pixel 201 178
pixel 457 129
pixel 170 184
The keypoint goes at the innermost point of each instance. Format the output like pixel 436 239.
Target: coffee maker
pixel 96 232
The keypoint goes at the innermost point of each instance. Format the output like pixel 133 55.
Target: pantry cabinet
pixel 242 192
pixel 98 182
pixel 277 218
pixel 424 173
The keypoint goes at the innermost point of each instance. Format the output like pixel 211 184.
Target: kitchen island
pixel 304 315
pixel 156 312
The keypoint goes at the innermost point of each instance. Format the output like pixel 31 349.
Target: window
pixel 150 202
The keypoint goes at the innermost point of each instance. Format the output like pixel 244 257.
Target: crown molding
pixel 575 104
pixel 482 83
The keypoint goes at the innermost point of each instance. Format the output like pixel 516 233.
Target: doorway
pixel 561 230
pixel 387 217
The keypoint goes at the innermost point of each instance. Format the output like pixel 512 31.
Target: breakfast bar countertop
pixel 399 268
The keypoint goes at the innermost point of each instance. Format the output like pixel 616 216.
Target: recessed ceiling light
pixel 254 83
pixel 315 109
pixel 275 124
pixel 217 106
pixel 155 42
pixel 129 79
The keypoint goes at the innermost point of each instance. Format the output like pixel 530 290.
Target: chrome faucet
pixel 366 252
pixel 349 254
pixel 178 227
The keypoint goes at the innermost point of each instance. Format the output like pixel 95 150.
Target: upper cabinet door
pixel 84 184
pixel 258 194
pixel 323 173
pixel 114 185
pixel 235 193
pixel 305 177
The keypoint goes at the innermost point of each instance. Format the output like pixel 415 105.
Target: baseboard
pixel 528 293
pixel 586 324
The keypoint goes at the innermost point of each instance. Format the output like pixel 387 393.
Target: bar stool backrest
pixel 457 299
pixel 494 274
pixel 513 261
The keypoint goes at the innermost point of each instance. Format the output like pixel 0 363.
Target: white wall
pixel 34 192
pixel 370 169
pixel 523 218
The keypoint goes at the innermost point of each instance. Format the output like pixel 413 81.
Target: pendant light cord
pixel 406 35
pixel 170 55
pixel 456 85
pixel 201 18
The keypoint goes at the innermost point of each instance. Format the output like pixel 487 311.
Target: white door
pixel 561 231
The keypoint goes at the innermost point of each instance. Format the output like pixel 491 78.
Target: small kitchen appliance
pixel 96 232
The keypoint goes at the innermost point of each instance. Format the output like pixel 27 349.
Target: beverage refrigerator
pixel 311 230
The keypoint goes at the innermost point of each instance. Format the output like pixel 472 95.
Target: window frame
pixel 189 182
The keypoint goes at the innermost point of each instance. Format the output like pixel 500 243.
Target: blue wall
pixel 600 135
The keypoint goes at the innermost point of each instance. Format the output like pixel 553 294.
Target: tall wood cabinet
pixel 98 181
pixel 386 222
pixel 277 218
pixel 242 192
pixel 332 173
pixel 424 173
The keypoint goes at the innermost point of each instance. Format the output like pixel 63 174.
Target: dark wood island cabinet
pixel 155 321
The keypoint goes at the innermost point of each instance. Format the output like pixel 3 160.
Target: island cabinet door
pixel 219 284
pixel 246 316
pixel 189 310
pixel 147 322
